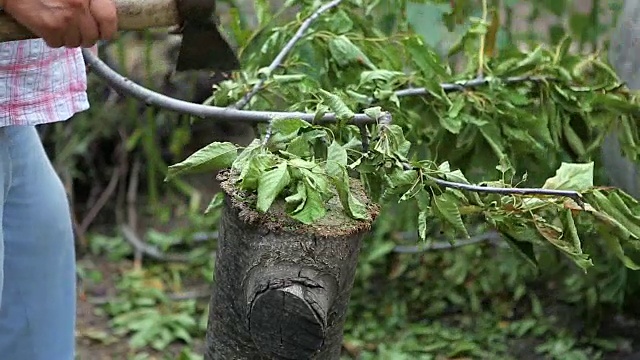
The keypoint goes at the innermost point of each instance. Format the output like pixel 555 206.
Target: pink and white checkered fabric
pixel 39 84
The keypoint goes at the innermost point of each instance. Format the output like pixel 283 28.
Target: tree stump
pixel 281 287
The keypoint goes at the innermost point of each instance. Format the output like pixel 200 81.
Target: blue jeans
pixel 37 257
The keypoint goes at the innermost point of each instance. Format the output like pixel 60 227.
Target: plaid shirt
pixel 39 84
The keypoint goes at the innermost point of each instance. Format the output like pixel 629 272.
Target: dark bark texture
pixel 281 288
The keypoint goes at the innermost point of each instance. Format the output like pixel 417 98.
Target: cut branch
pixel 574 195
pixel 128 87
pixel 470 84
pixel 125 86
pixel 285 51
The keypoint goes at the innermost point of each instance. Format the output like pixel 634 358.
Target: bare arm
pixel 68 23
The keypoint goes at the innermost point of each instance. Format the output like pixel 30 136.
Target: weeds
pixel 431 305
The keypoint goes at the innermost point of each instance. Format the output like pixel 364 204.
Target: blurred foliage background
pixel 144 245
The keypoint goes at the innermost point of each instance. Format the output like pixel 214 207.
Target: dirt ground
pixel 95 339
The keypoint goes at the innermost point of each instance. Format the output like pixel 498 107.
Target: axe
pixel 203 47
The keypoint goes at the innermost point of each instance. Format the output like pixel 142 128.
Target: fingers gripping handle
pixel 132 15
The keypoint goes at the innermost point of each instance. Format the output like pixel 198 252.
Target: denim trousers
pixel 37 255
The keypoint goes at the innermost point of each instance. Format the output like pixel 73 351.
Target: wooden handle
pixel 132 15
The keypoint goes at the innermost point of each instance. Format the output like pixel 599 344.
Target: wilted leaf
pixel 344 52
pixel 270 184
pixel 337 105
pixel 336 159
pixel 258 164
pixel 288 126
pixel 313 209
pixel 577 177
pixel 446 206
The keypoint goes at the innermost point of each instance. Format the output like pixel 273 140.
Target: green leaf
pixel 341 22
pixel 557 237
pixel 613 245
pixel 313 209
pixel 573 140
pixel 270 185
pixel 492 134
pixel 426 19
pixel 300 146
pixel 445 205
pixel 258 164
pixel 344 52
pixel 215 156
pixel 288 126
pixel 351 205
pixel 245 155
pixel 422 224
pixel 577 177
pixel 216 202
pixel 385 76
pixel 298 198
pixel 400 146
pixel 572 237
pixel 337 105
pixel 336 159
pixel 425 59
pixel 317 179
pixel 374 112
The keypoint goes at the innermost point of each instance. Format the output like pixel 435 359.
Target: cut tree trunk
pixel 281 287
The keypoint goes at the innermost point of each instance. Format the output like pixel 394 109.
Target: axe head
pixel 203 47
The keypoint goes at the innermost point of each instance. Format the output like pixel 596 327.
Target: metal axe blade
pixel 203 46
pixel 201 39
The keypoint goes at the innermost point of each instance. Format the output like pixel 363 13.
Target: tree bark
pixel 281 287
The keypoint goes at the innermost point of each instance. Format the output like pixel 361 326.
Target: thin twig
pixel 285 51
pixel 470 84
pixel 132 216
pixel 127 87
pixel 492 236
pixel 153 252
pixel 366 137
pixel 385 119
pixel 177 296
pixel 124 175
pixel 574 195
pixel 152 98
pixel 104 197
pixel 483 39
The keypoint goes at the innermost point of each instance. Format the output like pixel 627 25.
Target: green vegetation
pixel 500 108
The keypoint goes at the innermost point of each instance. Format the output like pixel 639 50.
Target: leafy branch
pixel 128 87
pixel 285 51
pixel 544 106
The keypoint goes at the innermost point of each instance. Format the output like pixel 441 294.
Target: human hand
pixel 68 23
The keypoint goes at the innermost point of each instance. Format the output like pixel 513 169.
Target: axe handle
pixel 132 15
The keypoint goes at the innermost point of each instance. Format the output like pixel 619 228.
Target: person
pixel 41 81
